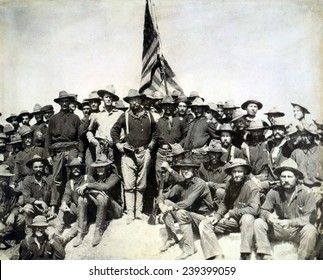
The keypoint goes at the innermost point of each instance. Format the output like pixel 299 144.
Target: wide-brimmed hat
pixel 83 103
pixel 238 114
pixel 193 95
pixel 63 94
pixel 24 130
pixel 101 161
pixel 177 150
pixel 176 93
pixel 47 108
pixel 133 93
pixel 279 122
pixel 198 102
pixel 220 104
pixel 159 95
pixel 183 98
pixel 120 105
pixel 187 162
pixel 75 162
pixel 212 106
pixel 4 171
pixel 9 119
pixel 110 89
pixel 251 100
pixel 275 111
pixel 225 127
pixel 15 139
pixel 8 129
pixel 167 100
pixel 229 104
pixel 237 162
pixel 24 113
pixel 306 111
pixel 37 109
pixel 39 221
pixel 256 125
pixel 36 158
pixel 215 147
pixel 289 165
pixel 93 95
pixel 3 136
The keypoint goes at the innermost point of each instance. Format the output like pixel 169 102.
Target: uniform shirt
pixel 8 202
pixel 300 210
pixel 101 124
pixel 70 195
pixel 192 196
pixel 240 200
pixel 46 192
pixel 217 175
pixel 141 129
pixel 310 162
pixel 233 152
pixel 63 127
pixel 199 134
pixel 170 131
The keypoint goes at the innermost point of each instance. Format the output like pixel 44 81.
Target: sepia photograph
pixel 161 130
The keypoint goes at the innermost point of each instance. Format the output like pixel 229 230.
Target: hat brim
pixel 278 114
pixel 75 165
pixel 212 150
pixel 127 98
pixel 218 132
pixel 19 118
pixel 101 92
pixel 257 128
pixel 305 109
pixel 279 170
pixel 39 225
pixel 247 166
pixel 59 98
pixel 245 104
pixel 6 175
pixel 15 142
pixel 194 165
pixel 30 163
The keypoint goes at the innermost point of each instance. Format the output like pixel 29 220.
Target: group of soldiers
pixel 211 168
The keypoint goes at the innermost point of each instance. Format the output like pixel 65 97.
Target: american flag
pixel 153 63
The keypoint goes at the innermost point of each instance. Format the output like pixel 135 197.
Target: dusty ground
pixel 142 241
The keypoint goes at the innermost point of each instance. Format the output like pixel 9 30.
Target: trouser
pixel 188 223
pixel 209 241
pixel 162 155
pixel 16 227
pixel 86 204
pixel 305 236
pixel 90 157
pixel 60 176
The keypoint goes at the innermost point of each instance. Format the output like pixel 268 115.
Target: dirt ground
pixel 140 241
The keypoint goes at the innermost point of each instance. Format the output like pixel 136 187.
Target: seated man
pixel 10 219
pixel 68 210
pixel 39 192
pixel 288 213
pixel 42 245
pixel 104 194
pixel 186 203
pixel 237 212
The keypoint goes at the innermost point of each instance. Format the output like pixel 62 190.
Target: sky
pixel 269 50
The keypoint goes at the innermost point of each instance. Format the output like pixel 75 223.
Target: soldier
pixel 287 214
pixel 39 127
pixel 13 120
pixel 24 117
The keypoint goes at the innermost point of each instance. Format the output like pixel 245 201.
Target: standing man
pixel 186 203
pixel 140 136
pixel 200 132
pixel 288 213
pixel 62 140
pixel 99 131
pixel 48 112
pixel 236 213
pixel 13 120
pixel 39 127
pixel 24 117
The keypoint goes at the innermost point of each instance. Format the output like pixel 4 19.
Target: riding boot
pixel 81 222
pixel 99 223
pixel 130 203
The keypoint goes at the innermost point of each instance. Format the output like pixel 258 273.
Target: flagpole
pixel 160 55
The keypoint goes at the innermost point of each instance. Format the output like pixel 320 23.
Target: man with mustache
pixel 39 192
pixel 236 213
pixel 63 141
pixel 187 203
pixel 288 213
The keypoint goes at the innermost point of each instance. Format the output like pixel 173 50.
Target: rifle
pixel 153 214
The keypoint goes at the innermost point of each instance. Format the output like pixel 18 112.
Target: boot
pixel 139 207
pixel 99 223
pixel 130 203
pixel 81 222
